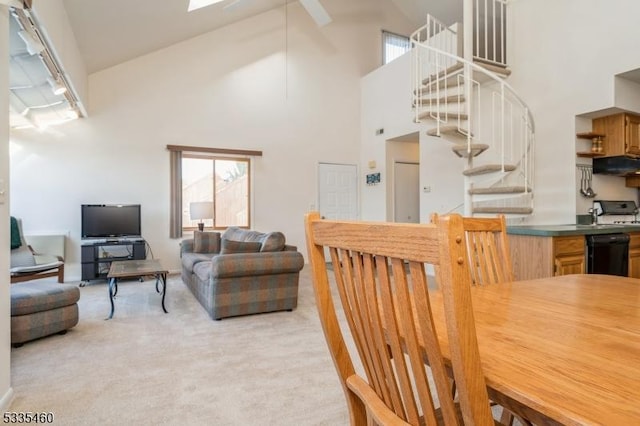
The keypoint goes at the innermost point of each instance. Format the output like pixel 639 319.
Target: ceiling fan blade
pixel 317 12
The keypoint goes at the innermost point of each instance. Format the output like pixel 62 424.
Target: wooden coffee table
pixel 136 269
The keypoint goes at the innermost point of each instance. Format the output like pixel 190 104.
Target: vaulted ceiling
pixel 109 32
pixel 113 31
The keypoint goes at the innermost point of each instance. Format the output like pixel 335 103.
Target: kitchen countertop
pixel 564 230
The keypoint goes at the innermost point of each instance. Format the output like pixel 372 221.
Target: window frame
pixel 213 158
pixel 175 178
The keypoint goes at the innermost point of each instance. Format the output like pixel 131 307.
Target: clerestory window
pixel 393 46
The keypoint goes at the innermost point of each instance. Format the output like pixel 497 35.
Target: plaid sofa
pixel 241 272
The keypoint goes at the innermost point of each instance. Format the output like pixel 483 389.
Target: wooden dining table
pixel 561 350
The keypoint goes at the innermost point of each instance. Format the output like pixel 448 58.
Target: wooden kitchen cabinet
pixel 540 257
pixel 634 255
pixel 622 134
pixel 568 255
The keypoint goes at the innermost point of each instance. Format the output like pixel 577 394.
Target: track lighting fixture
pixel 33 45
pixel 56 86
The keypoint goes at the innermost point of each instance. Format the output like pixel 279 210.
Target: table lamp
pixel 201 210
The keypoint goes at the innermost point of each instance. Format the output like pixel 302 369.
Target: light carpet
pixel 146 367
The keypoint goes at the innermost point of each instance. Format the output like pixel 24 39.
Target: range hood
pixel 616 166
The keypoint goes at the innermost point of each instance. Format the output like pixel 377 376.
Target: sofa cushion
pixel 272 241
pixel 256 264
pixel 238 234
pixel 189 260
pixel 202 270
pixel 206 242
pixel 232 247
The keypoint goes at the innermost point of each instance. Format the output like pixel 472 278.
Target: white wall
pixel 626 94
pixel 564 73
pixel 563 57
pixel 6 393
pixel 386 103
pixel 232 88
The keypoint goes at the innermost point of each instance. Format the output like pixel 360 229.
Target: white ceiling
pixel 109 32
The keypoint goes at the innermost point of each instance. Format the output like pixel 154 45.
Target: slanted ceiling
pixel 109 32
pixel 106 37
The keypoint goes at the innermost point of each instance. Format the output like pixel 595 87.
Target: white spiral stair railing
pixel 471 105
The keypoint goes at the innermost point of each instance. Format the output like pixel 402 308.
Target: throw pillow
pixel 273 241
pixel 15 233
pixel 231 246
pixel 206 242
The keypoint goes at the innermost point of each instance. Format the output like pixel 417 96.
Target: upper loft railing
pixel 441 37
pixel 489 31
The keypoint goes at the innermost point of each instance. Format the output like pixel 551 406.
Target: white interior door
pixel 406 192
pixel 337 191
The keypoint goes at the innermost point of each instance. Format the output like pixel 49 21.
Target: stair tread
pixel 488 168
pixel 456 69
pixel 500 190
pixel 449 82
pixel 504 210
pixel 451 130
pixel 443 114
pixel 494 68
pixel 444 100
pixel 476 149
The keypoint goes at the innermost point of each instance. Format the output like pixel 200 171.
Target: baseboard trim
pixel 6 400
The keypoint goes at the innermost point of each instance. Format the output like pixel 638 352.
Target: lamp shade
pixel 201 210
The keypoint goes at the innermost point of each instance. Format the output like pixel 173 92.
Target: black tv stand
pixel 97 254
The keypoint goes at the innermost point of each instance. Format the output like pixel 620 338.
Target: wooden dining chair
pixel 489 262
pixel 487 249
pixel 381 281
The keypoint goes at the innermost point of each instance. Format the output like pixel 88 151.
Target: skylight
pixel 197 4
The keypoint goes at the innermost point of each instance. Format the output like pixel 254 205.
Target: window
pixel 209 174
pixel 223 180
pixel 393 46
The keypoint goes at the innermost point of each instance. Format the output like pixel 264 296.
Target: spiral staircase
pixel 468 103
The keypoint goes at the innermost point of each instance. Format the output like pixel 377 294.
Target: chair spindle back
pixel 382 287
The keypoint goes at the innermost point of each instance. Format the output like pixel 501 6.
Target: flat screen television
pixel 110 220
